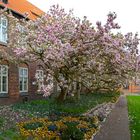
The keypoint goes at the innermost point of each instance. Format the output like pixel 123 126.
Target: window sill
pixel 40 93
pixel 3 43
pixel 24 93
pixel 4 95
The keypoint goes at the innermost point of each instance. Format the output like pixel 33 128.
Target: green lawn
pixel 134 116
pixel 41 108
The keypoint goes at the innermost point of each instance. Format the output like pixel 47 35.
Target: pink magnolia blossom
pixel 72 50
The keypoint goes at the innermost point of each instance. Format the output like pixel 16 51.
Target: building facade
pixel 17 81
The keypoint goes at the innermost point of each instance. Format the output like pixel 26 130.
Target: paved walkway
pixel 116 126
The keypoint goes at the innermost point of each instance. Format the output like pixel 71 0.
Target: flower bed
pixel 13 114
pixel 66 128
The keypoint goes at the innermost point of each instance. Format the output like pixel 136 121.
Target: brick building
pixel 17 80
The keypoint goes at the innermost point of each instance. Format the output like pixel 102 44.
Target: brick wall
pixel 13 79
pixel 133 88
pixel 32 70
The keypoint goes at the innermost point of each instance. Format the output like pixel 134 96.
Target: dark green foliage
pixel 33 126
pixel 1 122
pixel 72 132
pixel 72 124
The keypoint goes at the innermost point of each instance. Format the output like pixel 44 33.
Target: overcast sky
pixel 128 11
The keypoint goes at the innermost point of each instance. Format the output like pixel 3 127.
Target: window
pixel 3 79
pixel 5 1
pixel 3 29
pixel 20 28
pixel 40 79
pixel 23 79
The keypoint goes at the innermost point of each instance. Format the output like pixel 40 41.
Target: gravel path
pixel 116 127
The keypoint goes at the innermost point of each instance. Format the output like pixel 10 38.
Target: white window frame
pixel 2 75
pixel 23 68
pixel 3 18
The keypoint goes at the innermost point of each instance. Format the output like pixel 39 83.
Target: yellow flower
pixel 95 120
pixel 44 133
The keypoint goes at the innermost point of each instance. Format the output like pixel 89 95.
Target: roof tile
pixel 23 7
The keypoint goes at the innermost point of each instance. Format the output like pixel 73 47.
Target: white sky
pixel 128 11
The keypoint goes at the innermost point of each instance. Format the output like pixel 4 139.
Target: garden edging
pixel 99 110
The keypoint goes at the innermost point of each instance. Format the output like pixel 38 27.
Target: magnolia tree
pixel 74 53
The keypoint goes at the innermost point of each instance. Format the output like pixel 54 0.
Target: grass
pixel 1 121
pixel 42 108
pixel 10 134
pixel 134 116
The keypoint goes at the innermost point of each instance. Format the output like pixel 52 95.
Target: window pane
pixel 40 74
pixel 3 78
pixel 23 79
pixel 25 72
pixel 40 80
pixel 25 84
pixel 4 83
pixel 4 22
pixel 20 84
pixel 20 72
pixel 4 34
pixel 4 70
pixel 40 85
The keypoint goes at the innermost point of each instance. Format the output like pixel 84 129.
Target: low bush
pixel 33 126
pixel 72 132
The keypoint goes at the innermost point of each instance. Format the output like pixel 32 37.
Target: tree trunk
pixel 62 95
pixel 55 87
pixel 77 91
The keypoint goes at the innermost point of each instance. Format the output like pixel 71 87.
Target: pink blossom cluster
pixel 72 50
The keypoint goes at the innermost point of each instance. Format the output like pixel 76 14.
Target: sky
pixel 128 11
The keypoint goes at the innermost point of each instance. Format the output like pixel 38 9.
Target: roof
pixel 23 7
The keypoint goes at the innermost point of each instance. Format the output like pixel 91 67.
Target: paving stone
pixel 116 126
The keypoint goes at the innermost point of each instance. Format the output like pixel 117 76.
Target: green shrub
pixel 1 122
pixel 33 126
pixel 72 132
